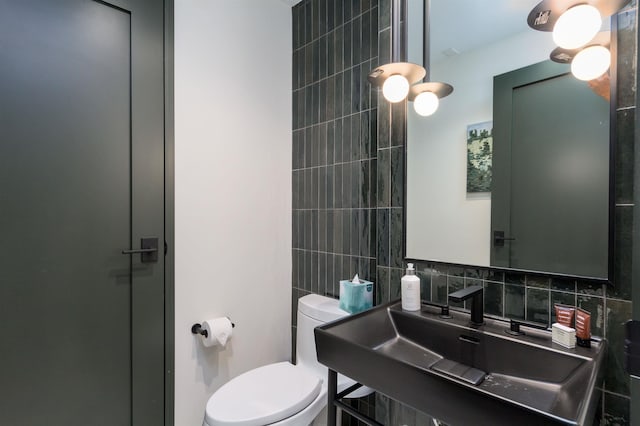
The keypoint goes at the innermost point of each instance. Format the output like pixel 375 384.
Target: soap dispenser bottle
pixel 410 288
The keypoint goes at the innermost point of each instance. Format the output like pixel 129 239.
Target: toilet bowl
pixel 283 394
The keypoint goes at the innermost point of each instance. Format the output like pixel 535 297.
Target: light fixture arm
pixel 396 77
pixel 426 49
pixel 439 89
pixel 395 30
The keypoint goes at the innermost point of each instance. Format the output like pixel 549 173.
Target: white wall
pixel 444 222
pixel 233 190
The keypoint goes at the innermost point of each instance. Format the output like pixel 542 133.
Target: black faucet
pixel 475 292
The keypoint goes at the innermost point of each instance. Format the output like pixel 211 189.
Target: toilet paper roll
pixel 218 331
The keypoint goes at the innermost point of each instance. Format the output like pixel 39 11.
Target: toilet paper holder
pixel 197 328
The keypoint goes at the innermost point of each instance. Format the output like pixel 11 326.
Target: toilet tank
pixel 313 310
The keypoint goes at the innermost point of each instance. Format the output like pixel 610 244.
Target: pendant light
pixel 426 96
pixel 589 62
pixel 574 23
pixel 396 77
pixel 577 26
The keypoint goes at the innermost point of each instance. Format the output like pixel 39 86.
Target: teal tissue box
pixel 356 298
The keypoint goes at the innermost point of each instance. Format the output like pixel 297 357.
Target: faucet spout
pixel 475 293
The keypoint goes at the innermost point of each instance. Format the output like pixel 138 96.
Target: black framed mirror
pixel 514 171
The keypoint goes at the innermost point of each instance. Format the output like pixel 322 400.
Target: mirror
pixel 513 170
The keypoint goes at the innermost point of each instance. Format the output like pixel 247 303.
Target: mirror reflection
pixel 512 171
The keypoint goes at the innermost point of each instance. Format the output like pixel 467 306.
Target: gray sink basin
pixel 463 374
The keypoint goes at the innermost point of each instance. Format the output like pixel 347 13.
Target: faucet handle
pixel 514 326
pixel 444 309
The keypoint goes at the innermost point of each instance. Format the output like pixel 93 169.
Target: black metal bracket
pixel 335 401
pixel 197 329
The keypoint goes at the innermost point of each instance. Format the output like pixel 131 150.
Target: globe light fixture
pixel 426 103
pixel 574 23
pixel 591 63
pixel 587 63
pixel 426 96
pixel 395 88
pixel 577 26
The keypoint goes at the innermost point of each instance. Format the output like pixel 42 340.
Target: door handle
pixel 148 250
pixel 499 238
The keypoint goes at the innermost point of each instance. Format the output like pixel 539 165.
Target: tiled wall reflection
pixel 348 169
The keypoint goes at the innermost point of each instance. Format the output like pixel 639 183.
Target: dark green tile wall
pixel 348 169
pixel 335 149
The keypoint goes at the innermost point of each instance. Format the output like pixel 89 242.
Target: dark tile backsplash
pixel 348 194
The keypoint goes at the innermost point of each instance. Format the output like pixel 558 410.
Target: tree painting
pixel 479 154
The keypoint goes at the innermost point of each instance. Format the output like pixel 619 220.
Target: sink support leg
pixel 332 388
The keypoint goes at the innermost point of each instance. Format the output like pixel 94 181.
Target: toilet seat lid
pixel 264 395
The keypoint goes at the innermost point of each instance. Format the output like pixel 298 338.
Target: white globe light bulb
pixel 577 26
pixel 426 103
pixel 591 63
pixel 395 88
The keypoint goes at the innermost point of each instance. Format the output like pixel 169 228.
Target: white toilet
pixel 283 394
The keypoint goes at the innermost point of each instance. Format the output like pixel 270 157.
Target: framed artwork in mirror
pixel 479 157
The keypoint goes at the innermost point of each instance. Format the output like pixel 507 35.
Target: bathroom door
pixel 551 173
pixel 81 179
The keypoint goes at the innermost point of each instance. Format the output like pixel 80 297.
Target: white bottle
pixel 410 287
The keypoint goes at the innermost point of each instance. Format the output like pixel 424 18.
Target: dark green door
pixel 81 179
pixel 551 172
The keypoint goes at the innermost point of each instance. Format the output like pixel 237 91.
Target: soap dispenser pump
pixel 410 290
